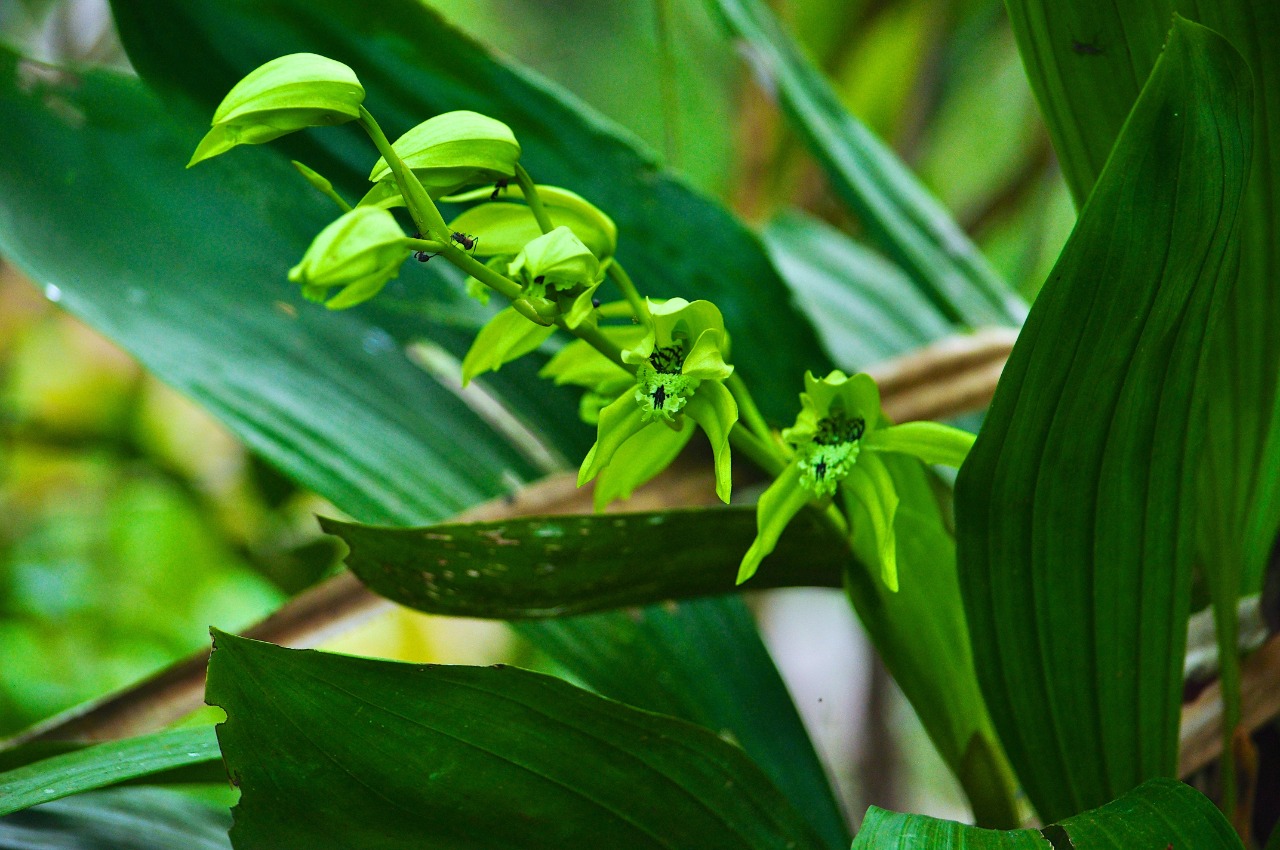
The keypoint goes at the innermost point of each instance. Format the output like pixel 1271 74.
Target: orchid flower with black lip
pixel 680 376
pixel 837 438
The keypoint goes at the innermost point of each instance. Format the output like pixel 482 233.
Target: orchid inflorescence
pixel 648 381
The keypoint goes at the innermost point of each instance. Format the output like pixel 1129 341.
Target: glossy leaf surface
pixel 1074 509
pixel 334 751
pixel 1159 815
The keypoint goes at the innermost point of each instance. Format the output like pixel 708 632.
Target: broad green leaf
pixel 1074 508
pixel 192 280
pixel 1160 814
pixel 119 819
pixel 103 765
pixel 628 655
pixel 557 566
pixel 1087 61
pixel 672 241
pixel 863 307
pixel 898 213
pixel 334 751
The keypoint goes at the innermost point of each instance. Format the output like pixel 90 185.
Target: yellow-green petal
pixel 286 94
pixel 775 510
pixel 507 336
pixel 637 462
pixel 715 411
pixel 872 484
pixel 618 423
pixel 455 149
pixel 929 441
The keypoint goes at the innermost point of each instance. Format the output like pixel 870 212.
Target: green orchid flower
pixel 679 377
pixel 356 254
pixel 284 95
pixel 836 440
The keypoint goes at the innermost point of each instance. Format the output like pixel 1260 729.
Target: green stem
pixel 747 410
pixel 533 199
pixel 629 292
pixel 421 207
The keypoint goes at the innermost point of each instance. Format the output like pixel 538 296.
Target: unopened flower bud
pixel 286 94
pixel 359 253
pixel 453 150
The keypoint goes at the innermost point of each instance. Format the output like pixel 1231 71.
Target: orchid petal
pixel 782 501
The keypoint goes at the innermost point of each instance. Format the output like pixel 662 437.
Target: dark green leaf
pixel 673 241
pixel 629 656
pixel 556 566
pixel 333 751
pixel 1159 815
pixel 899 214
pixel 104 765
pixel 1087 61
pixel 863 307
pixel 119 819
pixel 1074 508
pixel 564 565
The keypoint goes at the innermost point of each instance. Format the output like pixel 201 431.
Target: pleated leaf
pixel 1075 508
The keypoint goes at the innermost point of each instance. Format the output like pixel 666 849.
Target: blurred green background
pixel 130 521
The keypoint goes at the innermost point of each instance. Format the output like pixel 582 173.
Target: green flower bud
pixel 556 261
pixel 358 253
pixel 450 151
pixel 505 228
pixel 286 94
pixel 557 266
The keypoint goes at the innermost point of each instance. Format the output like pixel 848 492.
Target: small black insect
pixel 1092 47
pixel 820 469
pixel 659 396
pixel 498 187
pixel 421 256
pixel 465 240
pixel 595 302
